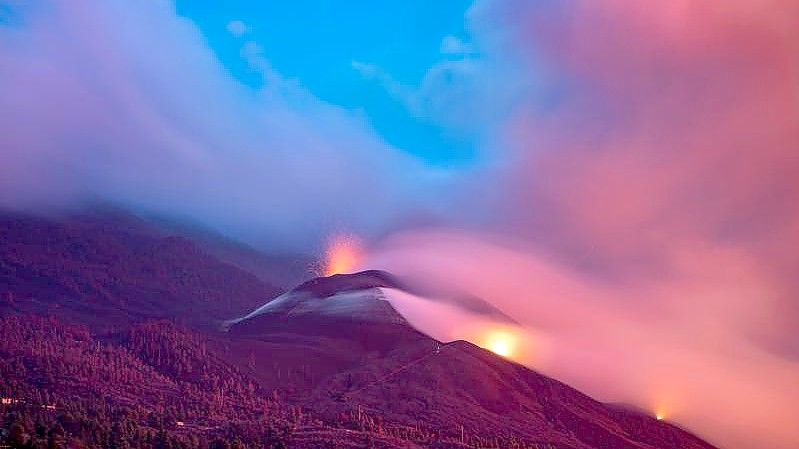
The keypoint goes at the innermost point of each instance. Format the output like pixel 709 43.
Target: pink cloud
pixel 648 219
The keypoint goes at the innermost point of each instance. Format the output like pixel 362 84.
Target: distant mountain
pixel 284 270
pixel 110 268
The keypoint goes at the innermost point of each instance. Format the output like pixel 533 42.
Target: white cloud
pixel 365 69
pixel 452 45
pixel 407 95
pixel 467 95
pixel 238 28
pixel 152 120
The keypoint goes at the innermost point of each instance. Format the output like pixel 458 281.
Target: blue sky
pixel 316 43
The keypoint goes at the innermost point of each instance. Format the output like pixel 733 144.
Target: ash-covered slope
pixel 335 345
pixel 341 297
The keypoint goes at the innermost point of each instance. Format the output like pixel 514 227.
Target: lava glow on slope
pixel 500 342
pixel 342 255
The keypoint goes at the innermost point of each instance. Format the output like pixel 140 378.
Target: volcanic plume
pixel 343 254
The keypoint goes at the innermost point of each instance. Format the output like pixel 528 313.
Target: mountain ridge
pixel 313 374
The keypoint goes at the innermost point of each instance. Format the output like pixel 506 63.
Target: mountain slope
pixel 152 386
pixel 115 269
pixel 283 270
pixel 334 363
pixel 328 363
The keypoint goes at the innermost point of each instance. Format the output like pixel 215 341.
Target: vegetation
pixel 156 385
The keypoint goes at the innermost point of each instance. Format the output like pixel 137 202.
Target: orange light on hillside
pixel 660 412
pixel 343 255
pixel 500 342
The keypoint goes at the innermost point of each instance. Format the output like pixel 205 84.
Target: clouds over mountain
pixel 126 103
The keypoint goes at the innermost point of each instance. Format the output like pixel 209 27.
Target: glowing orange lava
pixel 501 343
pixel 660 411
pixel 343 255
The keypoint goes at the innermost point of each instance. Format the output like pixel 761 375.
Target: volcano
pixel 335 344
pixel 128 326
